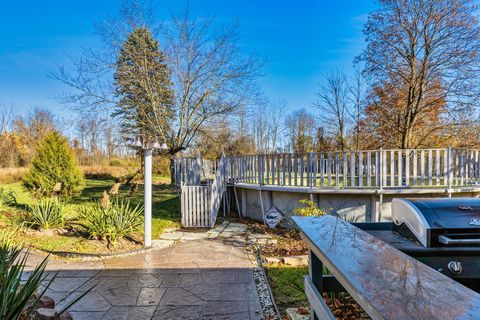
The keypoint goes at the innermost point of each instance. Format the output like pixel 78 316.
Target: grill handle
pixel 446 240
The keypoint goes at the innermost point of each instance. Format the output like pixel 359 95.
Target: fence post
pixel 380 169
pixel 260 169
pixel 450 170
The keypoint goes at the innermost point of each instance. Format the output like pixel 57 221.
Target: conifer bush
pixel 54 169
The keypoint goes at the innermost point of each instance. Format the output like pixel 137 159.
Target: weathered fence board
pixel 195 209
pixel 200 204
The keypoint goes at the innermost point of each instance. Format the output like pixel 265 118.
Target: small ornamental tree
pixel 54 169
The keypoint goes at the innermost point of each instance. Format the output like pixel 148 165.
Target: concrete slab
pixel 175 235
pixel 194 279
pixel 161 244
pixel 193 236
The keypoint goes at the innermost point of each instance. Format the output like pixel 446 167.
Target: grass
pixel 287 285
pixel 166 213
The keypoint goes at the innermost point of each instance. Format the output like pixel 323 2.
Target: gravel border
pixel 79 256
pixel 267 301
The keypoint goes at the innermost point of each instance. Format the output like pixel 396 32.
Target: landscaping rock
pixel 46 302
pixel 272 260
pixel 49 314
pixel 45 314
pixel 238 228
pixel 296 261
pixel 294 314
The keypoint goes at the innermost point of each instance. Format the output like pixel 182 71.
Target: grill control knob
pixel 455 267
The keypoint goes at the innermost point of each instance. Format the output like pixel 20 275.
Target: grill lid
pixel 427 218
pixel 456 213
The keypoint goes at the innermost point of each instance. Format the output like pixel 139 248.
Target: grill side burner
pixel 441 233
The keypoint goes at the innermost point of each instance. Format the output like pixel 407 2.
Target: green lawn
pixel 287 285
pixel 166 212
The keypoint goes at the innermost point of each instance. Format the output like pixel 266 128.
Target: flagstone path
pixel 206 277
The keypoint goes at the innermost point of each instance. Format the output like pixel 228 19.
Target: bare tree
pixel 260 129
pixel 276 123
pixel 211 77
pixel 429 50
pixel 8 146
pixel 33 127
pixel 357 98
pixel 301 131
pixel 333 104
pixel 6 120
pixel 90 76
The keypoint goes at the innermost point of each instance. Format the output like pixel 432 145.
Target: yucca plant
pixel 115 221
pixel 46 214
pixel 18 298
pixel 7 197
pixel 15 294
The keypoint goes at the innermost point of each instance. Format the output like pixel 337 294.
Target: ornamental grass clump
pixel 111 222
pixel 46 214
pixel 7 197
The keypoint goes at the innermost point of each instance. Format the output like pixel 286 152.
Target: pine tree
pixel 142 81
pixel 54 169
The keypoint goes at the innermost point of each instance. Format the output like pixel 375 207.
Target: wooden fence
pixel 196 207
pixel 191 171
pixel 360 169
pixel 201 203
pixel 219 186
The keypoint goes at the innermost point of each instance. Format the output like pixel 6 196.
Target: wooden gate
pixel 201 203
pixel 196 206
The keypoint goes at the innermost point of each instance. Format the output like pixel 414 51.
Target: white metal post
pixel 148 198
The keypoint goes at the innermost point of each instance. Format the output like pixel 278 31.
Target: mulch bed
pixel 288 242
pixel 344 307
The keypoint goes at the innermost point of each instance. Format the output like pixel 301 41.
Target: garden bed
pixel 72 237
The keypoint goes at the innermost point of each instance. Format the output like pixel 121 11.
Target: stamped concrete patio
pixel 196 279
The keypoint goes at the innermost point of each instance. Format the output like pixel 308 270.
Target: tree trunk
pixel 172 169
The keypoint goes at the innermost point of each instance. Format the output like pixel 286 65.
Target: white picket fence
pixel 201 203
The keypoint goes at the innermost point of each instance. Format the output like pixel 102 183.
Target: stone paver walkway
pixel 197 279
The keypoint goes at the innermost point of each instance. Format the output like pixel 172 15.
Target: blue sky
pixel 301 38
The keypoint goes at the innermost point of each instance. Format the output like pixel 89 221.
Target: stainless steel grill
pixel 442 233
